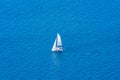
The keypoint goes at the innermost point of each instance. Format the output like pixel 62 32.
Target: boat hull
pixel 58 49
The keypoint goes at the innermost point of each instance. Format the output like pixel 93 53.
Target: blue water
pixel 90 30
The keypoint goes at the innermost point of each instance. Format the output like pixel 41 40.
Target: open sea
pixel 90 32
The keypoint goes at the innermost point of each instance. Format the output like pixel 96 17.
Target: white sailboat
pixel 57 46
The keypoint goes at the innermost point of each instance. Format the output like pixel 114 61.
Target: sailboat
pixel 57 46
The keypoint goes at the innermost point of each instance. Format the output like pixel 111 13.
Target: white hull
pixel 58 49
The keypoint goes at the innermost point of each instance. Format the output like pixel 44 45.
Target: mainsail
pixel 59 41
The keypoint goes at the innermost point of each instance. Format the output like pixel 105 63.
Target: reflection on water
pixel 57 59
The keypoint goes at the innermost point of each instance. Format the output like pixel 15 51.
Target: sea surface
pixel 90 32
